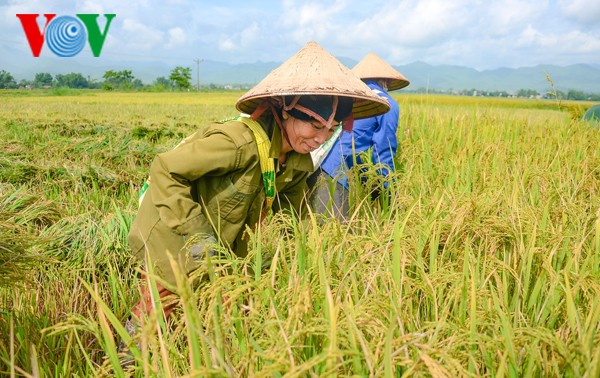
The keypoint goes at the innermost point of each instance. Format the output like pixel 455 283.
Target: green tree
pixel 162 83
pixel 137 83
pixel 181 77
pixel 43 78
pixel 24 83
pixel 72 80
pixel 576 95
pixel 118 79
pixel 7 80
pixel 527 93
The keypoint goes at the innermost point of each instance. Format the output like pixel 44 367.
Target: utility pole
pixel 198 61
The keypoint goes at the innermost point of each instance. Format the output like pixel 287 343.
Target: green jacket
pixel 211 184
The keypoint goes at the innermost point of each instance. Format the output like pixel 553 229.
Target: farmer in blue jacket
pixel 375 135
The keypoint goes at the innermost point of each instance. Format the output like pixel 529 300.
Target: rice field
pixel 483 262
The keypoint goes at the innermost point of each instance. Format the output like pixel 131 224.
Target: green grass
pixel 485 261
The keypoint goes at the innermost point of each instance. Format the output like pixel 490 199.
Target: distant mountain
pixel 581 77
pixel 224 73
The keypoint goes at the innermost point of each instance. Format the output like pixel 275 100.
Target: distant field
pixel 484 262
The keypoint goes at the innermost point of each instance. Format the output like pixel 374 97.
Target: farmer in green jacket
pixel 228 174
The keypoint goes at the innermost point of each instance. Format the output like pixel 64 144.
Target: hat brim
pixel 363 106
pixel 373 67
pixel 313 71
pixel 393 84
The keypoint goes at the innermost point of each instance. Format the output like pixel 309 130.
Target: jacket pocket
pixel 226 201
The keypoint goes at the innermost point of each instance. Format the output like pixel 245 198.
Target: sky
pixel 484 34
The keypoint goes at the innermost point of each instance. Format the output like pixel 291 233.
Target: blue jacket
pixel 378 132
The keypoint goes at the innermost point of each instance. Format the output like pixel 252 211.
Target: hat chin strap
pixel 327 123
pixel 271 104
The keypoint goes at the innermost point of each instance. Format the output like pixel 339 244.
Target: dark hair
pixel 322 105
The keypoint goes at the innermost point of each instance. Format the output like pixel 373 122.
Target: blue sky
pixel 478 34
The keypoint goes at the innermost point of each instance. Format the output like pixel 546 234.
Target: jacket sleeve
pixel 385 141
pixel 359 140
pixel 174 172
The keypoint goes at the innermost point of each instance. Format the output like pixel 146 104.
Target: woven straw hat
pixel 313 71
pixel 373 67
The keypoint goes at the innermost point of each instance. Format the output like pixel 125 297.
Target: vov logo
pixel 65 35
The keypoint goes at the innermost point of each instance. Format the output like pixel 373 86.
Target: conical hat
pixel 313 71
pixel 373 67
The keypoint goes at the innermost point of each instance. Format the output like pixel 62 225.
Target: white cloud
pixel 531 36
pixel 473 33
pixel 311 21
pixel 250 35
pixel 501 18
pixel 242 40
pixel 309 13
pixel 584 11
pixel 411 23
pixel 9 11
pixel 574 42
pixel 177 37
pixel 579 42
pixel 227 45
pixel 92 7
pixel 138 36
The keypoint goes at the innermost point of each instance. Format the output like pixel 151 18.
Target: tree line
pixel 180 79
pixel 521 93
